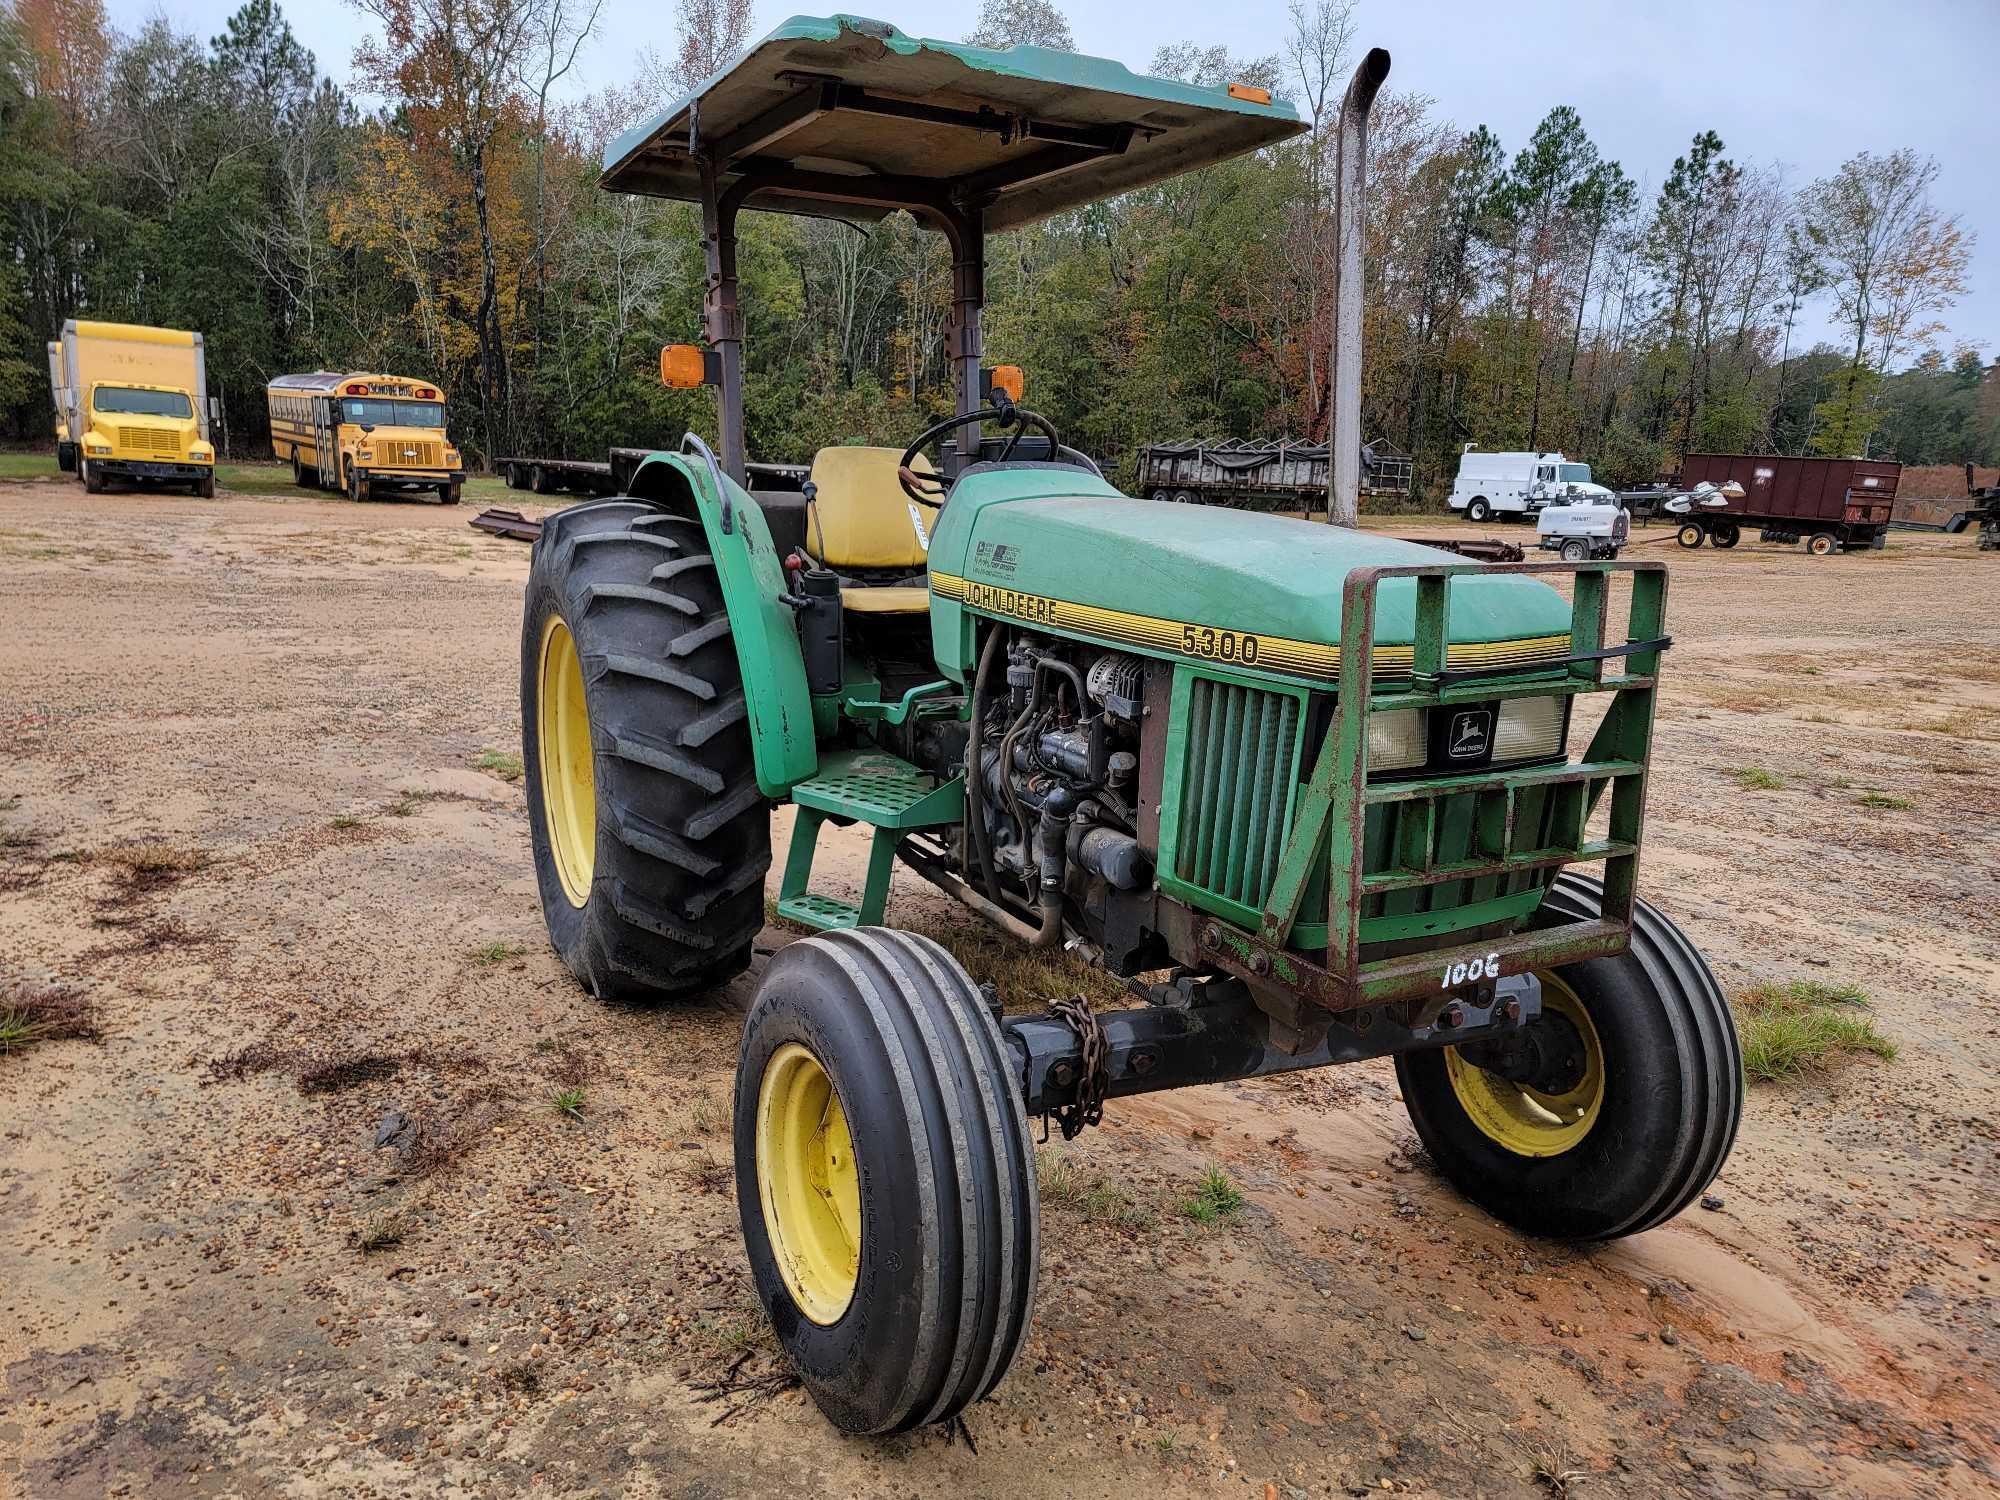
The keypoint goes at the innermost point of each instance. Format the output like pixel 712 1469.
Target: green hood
pixel 1066 551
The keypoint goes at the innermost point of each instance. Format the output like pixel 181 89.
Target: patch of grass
pixel 1884 801
pixel 502 763
pixel 1026 978
pixel 1755 778
pixel 383 1233
pixel 406 805
pixel 158 859
pixel 344 821
pixel 33 1014
pixel 1805 1028
pixel 497 953
pixel 1215 1199
pixel 568 1103
pixel 1066 1184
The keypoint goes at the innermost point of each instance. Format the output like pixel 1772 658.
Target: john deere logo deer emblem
pixel 1471 732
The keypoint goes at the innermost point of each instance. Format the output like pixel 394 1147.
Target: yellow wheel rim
pixel 1527 1121
pixel 569 794
pixel 806 1178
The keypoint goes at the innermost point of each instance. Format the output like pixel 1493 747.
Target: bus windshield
pixel 128 402
pixel 376 411
pixel 1573 473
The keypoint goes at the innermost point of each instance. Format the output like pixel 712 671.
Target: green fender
pixel 753 581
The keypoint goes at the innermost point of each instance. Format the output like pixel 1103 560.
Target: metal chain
pixel 1095 1076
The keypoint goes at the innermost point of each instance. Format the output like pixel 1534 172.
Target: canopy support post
pixel 722 318
pixel 965 229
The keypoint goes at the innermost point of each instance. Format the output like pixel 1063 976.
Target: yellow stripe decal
pixel 1271 653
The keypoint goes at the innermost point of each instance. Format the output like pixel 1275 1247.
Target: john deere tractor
pixel 1310 792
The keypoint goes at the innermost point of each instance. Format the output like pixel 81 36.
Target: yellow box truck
pixel 132 405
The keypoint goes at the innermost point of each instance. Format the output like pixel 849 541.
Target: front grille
pixel 397 454
pixel 153 442
pixel 1236 793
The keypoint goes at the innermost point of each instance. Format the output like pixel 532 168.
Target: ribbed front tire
pixel 937 1295
pixel 1665 1092
pixel 651 866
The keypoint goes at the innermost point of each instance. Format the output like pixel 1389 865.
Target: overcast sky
pixel 1805 83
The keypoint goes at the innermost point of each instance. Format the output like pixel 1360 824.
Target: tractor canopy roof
pixel 843 115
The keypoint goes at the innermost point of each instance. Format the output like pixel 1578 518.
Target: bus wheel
pixel 93 478
pixel 205 486
pixel 1690 535
pixel 449 492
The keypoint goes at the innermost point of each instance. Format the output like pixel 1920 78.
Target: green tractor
pixel 1306 790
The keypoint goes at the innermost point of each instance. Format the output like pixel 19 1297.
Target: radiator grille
pixel 1236 793
pixel 397 453
pixel 153 442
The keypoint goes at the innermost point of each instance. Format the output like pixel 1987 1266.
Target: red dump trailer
pixel 1830 504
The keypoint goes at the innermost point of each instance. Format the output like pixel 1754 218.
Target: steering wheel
pixel 930 488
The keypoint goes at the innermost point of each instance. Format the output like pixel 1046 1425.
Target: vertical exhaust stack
pixel 1343 434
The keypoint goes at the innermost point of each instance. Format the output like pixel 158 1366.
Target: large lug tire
pixel 1690 536
pixel 650 835
pixel 1654 1105
pixel 885 1178
pixel 1478 511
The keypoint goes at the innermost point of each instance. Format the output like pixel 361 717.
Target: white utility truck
pixel 1516 484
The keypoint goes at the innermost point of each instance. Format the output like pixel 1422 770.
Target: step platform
pixel 863 786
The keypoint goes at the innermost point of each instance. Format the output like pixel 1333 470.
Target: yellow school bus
pixel 368 435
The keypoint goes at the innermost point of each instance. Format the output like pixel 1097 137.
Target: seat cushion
pixel 886 601
pixel 860 517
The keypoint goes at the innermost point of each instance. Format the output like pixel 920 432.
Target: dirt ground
pixel 214 1282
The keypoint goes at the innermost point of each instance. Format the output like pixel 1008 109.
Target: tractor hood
pixel 1065 551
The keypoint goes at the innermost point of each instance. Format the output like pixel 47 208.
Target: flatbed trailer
pixel 1260 476
pixel 1830 504
pixel 582 476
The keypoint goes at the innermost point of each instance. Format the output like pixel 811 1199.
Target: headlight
pixel 98 449
pixel 451 455
pixel 367 455
pixel 1528 729
pixel 1396 739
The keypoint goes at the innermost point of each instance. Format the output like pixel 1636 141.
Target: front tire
pixel 885 1178
pixel 1690 536
pixel 1642 1107
pixel 1478 511
pixel 205 487
pixel 650 834
pixel 93 478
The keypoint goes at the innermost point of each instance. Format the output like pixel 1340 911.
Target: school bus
pixel 368 435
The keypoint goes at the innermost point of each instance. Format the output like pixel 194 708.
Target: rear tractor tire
pixel 651 837
pixel 885 1178
pixel 1622 1109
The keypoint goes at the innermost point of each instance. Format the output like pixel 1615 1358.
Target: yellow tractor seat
pixel 860 519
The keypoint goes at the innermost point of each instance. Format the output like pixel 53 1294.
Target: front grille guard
pixel 1333 806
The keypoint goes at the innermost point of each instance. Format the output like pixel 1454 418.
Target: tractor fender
pixel 775 698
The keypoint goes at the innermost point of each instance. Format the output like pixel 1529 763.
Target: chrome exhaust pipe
pixel 1343 433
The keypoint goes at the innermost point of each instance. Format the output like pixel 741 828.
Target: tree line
pixel 439 216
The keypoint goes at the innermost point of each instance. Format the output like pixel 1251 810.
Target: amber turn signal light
pixel 681 366
pixel 1011 379
pixel 1249 93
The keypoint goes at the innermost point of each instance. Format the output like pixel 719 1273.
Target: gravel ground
pixel 305 1221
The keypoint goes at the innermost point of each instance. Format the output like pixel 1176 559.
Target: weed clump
pixel 33 1014
pixel 1215 1200
pixel 1756 778
pixel 502 763
pixel 1805 1028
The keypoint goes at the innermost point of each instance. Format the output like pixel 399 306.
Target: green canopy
pixel 844 111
